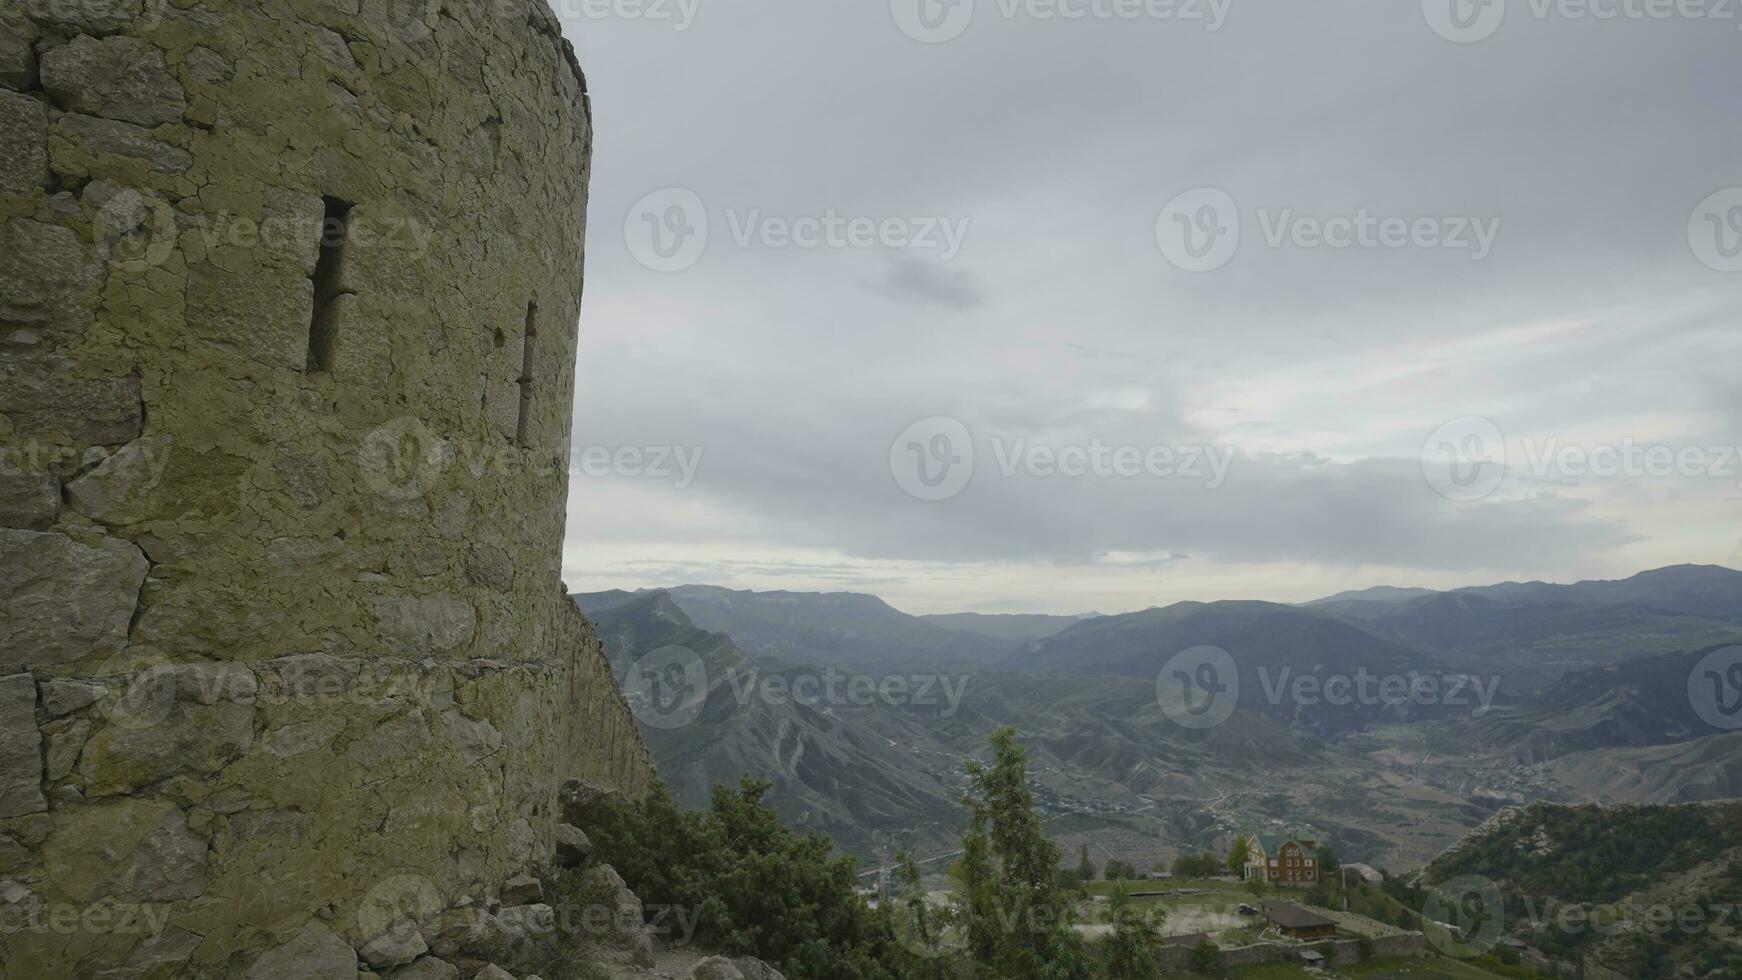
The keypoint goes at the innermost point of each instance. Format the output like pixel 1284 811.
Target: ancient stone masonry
pixel 288 301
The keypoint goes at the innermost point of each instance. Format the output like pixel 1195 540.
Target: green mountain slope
pixel 1646 891
pixel 829 771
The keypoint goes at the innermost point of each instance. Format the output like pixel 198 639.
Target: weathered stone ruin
pixel 288 303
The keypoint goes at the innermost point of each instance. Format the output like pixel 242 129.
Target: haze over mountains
pixel 1575 691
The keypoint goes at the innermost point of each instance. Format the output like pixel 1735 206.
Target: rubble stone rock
pixel 315 954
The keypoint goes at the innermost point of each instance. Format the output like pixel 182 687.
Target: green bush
pixel 756 888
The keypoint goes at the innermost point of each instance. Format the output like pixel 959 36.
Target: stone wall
pixel 288 300
pixel 1338 952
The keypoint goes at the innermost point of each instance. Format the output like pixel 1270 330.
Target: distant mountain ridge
pixel 1696 590
pixel 1272 646
pixel 1378 593
pixel 1008 626
pixel 848 628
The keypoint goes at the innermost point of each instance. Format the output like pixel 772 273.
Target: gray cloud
pixel 927 281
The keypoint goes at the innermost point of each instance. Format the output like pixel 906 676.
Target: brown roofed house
pixel 1299 923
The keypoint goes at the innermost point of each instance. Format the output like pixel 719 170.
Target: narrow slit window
pixel 523 429
pixel 323 332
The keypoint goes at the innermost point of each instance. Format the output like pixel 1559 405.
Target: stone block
pixel 171 720
pixel 28 500
pixel 64 747
pixel 263 317
pixel 61 600
pixel 428 968
pixel 18 35
pixel 624 919
pixel 122 489
pixel 399 945
pixel 207 67
pixel 160 956
pixel 293 225
pixel 46 396
pixel 20 748
pixel 48 283
pixel 522 890
pixel 490 567
pixel 418 626
pixel 112 138
pixel 121 78
pixel 502 405
pixel 65 697
pixel 129 850
pixel 475 739
pixel 23 144
pixel 95 17
pixel 392 739
pixel 572 846
pixel 315 954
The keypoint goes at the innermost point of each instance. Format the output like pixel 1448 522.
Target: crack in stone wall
pixel 274 640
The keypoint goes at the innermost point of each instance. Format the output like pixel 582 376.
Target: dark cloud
pixel 932 282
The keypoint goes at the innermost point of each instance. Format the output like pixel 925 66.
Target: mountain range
pixel 1587 685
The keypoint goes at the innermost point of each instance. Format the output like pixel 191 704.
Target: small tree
pixel 1238 853
pixel 1085 867
pixel 1205 960
pixel 1009 866
pixel 1328 863
pixel 1130 950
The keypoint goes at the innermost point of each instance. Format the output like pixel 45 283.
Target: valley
pixel 1586 706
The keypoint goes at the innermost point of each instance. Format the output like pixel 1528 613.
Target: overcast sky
pixel 1023 258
